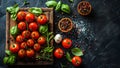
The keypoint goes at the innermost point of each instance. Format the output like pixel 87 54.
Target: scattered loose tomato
pixel 21 15
pixel 19 38
pixel 76 60
pixel 58 53
pixel 21 53
pixel 21 26
pixel 35 34
pixel 30 17
pixel 30 53
pixel 37 47
pixel 67 43
pixel 14 48
pixel 41 40
pixel 30 42
pixel 26 34
pixel 23 45
pixel 33 26
pixel 42 19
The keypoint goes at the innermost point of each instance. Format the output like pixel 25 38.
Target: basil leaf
pixel 5 59
pixel 68 57
pixel 51 3
pixel 13 11
pixel 8 52
pixel 77 51
pixel 43 29
pixel 65 8
pixel 36 11
pixel 58 6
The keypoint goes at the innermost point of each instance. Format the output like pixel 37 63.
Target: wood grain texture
pixel 10 39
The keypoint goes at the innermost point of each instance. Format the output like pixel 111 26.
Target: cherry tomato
pixel 30 17
pixel 30 42
pixel 41 40
pixel 30 53
pixel 21 53
pixel 33 26
pixel 42 19
pixel 35 34
pixel 26 34
pixel 23 45
pixel 21 15
pixel 67 43
pixel 37 47
pixel 22 26
pixel 76 60
pixel 14 48
pixel 19 38
pixel 58 53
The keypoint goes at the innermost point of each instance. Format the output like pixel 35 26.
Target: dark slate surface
pixel 97 34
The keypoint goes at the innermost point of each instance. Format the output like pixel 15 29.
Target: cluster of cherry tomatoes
pixel 67 43
pixel 29 40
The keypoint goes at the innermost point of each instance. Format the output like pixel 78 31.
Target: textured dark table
pixel 97 34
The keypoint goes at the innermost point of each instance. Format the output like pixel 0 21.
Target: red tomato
pixel 30 42
pixel 37 47
pixel 33 26
pixel 26 34
pixel 67 43
pixel 22 26
pixel 21 15
pixel 14 48
pixel 30 53
pixel 19 38
pixel 76 60
pixel 30 17
pixel 58 53
pixel 35 34
pixel 41 40
pixel 21 53
pixel 42 19
pixel 23 45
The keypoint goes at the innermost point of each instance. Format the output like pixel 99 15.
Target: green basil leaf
pixel 77 51
pixel 43 29
pixel 51 3
pixel 68 56
pixel 14 30
pixel 36 11
pixel 71 0
pixel 8 52
pixel 65 8
pixel 5 59
pixel 58 6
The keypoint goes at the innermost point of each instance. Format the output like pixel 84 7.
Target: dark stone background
pixel 98 34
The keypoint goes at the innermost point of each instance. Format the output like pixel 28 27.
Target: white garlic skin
pixel 58 38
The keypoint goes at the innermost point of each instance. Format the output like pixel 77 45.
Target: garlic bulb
pixel 58 38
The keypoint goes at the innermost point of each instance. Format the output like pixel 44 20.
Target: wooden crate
pixel 10 39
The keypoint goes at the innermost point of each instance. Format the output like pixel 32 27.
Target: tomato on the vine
pixel 21 53
pixel 14 48
pixel 58 53
pixel 76 60
pixel 41 40
pixel 35 34
pixel 42 19
pixel 23 45
pixel 22 26
pixel 30 42
pixel 30 53
pixel 26 34
pixel 33 26
pixel 67 43
pixel 19 38
pixel 36 47
pixel 29 17
pixel 21 15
